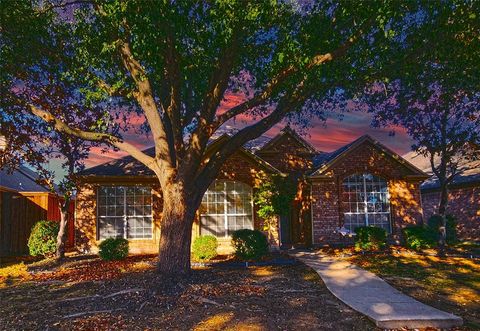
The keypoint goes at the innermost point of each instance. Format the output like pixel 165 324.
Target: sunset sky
pixel 325 136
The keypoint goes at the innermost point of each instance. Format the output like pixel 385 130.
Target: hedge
pixel 249 244
pixel 370 238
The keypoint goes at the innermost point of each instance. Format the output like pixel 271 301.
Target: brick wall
pixel 86 218
pixel 239 167
pixel 464 204
pixel 326 193
pixel 287 155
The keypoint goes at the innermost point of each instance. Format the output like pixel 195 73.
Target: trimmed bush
pixel 113 249
pixel 419 237
pixel 43 238
pixel 370 238
pixel 249 244
pixel 435 222
pixel 204 248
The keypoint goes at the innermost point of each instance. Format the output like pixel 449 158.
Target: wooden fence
pixel 19 212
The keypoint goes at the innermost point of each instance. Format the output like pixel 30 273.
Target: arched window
pixel 226 206
pixel 366 202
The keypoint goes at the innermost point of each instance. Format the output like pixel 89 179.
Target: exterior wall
pixel 464 204
pixel 86 237
pixel 239 167
pixel 291 157
pixel 287 155
pixel 325 212
pixel 405 203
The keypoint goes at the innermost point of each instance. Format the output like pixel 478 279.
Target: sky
pixel 324 136
pixel 341 127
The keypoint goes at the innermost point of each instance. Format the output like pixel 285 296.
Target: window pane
pixel 213 225
pixel 119 203
pixel 226 201
pixel 365 201
pixel 110 227
pixel 139 227
pixel 139 211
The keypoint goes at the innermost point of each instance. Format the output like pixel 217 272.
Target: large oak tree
pixel 172 63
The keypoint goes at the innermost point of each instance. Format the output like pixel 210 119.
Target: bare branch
pixel 217 87
pixel 174 78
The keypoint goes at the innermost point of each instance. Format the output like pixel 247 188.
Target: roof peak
pixel 324 161
pixel 288 130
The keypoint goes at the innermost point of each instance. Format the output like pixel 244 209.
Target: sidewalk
pixel 373 297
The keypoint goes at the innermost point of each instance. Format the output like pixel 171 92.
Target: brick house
pixel 362 183
pixel 463 196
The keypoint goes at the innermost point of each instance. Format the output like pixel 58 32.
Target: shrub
pixel 419 237
pixel 249 244
pixel 43 238
pixel 435 221
pixel 204 248
pixel 370 237
pixel 113 249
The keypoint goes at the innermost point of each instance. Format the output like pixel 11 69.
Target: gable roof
pixel 288 131
pixel 324 161
pixel 129 166
pixel 21 180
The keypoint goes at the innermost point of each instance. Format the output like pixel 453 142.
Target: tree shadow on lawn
pixel 257 298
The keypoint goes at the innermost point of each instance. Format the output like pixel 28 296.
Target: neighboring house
pixel 463 196
pixel 23 202
pixel 362 183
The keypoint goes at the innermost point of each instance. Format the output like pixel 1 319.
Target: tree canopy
pixel 172 64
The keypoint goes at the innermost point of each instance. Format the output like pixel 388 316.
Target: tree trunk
pixel 176 231
pixel 442 208
pixel 62 231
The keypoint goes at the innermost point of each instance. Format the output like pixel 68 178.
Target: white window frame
pixel 125 216
pixel 225 213
pixel 365 201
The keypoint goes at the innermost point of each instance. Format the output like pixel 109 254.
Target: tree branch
pixel 287 72
pixel 217 87
pixel 289 103
pixel 94 136
pixel 173 110
pixel 145 98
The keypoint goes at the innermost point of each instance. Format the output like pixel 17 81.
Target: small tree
pixel 445 127
pixel 435 94
pixel 275 195
pixel 36 144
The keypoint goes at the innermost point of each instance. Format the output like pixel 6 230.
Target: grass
pixel 451 283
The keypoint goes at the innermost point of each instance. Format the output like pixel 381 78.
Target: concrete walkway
pixel 373 297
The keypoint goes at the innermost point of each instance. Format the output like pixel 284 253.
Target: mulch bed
pixel 96 295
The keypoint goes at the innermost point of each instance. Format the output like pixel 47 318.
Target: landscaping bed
pixel 90 294
pixel 451 284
